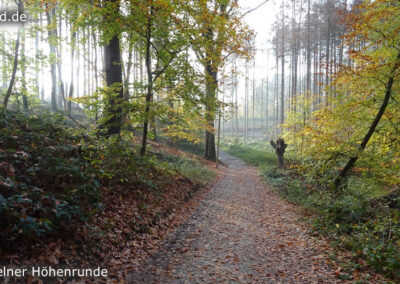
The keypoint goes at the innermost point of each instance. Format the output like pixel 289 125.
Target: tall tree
pixel 52 34
pixel 71 85
pixel 377 59
pixel 215 32
pixel 282 110
pixel 24 90
pixel 15 64
pixel 153 24
pixel 113 69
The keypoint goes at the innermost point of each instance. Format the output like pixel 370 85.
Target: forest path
pixel 241 233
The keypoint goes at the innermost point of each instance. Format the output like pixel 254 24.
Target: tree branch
pixel 388 93
pixel 253 9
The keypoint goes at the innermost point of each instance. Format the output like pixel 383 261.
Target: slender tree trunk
pixel 282 112
pixel 315 77
pixel 23 72
pixel 61 88
pixel 388 93
pixel 282 118
pixel 320 76
pixel 254 94
pixel 71 87
pixel 78 67
pixel 246 103
pixel 236 105
pixel 266 108
pixel 37 56
pixel 42 62
pixel 232 100
pixel 276 94
pixel 85 63
pixel 149 94
pixel 262 104
pixel 128 67
pixel 4 60
pixel 223 116
pixel 51 36
pixel 308 49
pixel 327 61
pixel 96 74
pixel 14 71
pixel 219 138
pixel 90 63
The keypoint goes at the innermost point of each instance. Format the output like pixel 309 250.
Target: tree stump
pixel 280 148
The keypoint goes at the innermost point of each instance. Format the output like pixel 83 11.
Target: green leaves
pixel 334 134
pixel 44 181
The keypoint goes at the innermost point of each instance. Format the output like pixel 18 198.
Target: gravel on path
pixel 242 232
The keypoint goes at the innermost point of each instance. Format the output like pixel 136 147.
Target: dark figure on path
pixel 279 147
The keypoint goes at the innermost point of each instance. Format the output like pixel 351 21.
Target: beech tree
pixel 113 68
pixel 377 58
pixel 153 22
pixel 163 42
pixel 15 63
pixel 359 125
pixel 215 32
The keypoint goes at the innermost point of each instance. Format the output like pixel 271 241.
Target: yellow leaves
pixel 184 125
pixel 327 137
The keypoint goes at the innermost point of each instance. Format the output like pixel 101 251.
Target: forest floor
pixel 241 232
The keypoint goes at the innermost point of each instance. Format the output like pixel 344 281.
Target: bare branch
pixel 253 9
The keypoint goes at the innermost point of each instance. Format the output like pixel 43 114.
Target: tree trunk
pixel 280 148
pixel 211 89
pixel 246 102
pixel 388 93
pixel 85 63
pixel 78 67
pixel 262 104
pixel 24 90
pixel 4 62
pixel 266 107
pixel 112 58
pixel 149 94
pixel 128 67
pixel 61 88
pixel 308 49
pixel 211 76
pixel 282 118
pixel 15 66
pixel 232 100
pixel 37 56
pixel 253 95
pixel 71 87
pixel 96 74
pixel 14 71
pixel 52 63
pixel 327 62
pixel 276 94
pixel 236 106
pixel 41 61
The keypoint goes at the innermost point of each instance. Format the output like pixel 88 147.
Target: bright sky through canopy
pixel 261 21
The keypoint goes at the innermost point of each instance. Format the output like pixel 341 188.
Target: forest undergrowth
pixel 70 197
pixel 361 223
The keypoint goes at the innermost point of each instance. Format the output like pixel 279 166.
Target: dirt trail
pixel 241 233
